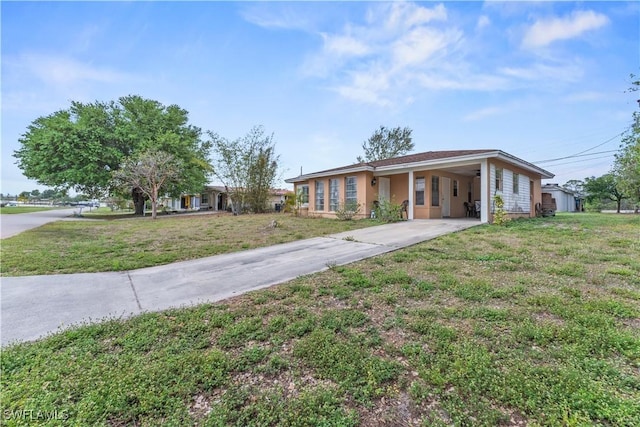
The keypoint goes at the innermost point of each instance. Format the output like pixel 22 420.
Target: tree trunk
pixel 138 201
pixel 619 202
pixel 154 203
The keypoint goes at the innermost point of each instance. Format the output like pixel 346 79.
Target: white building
pixel 566 200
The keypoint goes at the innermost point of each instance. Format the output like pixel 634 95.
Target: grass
pixel 529 324
pixel 7 210
pixel 116 244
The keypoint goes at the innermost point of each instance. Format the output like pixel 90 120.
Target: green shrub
pixel 500 216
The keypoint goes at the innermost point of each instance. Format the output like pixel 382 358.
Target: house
pixel 434 184
pixel 212 197
pixel 215 198
pixel 566 200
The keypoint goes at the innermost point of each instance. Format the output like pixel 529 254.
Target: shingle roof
pixel 429 155
pixel 417 158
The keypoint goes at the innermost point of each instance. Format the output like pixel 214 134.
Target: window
pixel 351 190
pixel 204 197
pixel 319 195
pixel 435 191
pixel 455 188
pixel 420 190
pixel 498 183
pixel 334 194
pixel 516 183
pixel 303 190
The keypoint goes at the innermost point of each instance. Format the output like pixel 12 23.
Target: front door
pixel 446 197
pixel 384 189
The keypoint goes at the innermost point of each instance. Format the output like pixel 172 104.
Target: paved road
pixel 35 306
pixel 12 224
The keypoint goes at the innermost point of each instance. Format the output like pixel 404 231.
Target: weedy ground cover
pixel 535 323
pixel 115 244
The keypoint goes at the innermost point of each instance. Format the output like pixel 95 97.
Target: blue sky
pixel 539 80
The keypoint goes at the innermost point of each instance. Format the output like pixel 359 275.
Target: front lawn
pixel 87 245
pixel 7 210
pixel 536 323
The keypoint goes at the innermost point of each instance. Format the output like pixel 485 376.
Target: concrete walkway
pixel 35 306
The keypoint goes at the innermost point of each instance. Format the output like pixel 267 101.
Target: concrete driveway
pixel 35 306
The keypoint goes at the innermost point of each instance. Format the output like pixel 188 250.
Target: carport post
pixel 410 207
pixel 484 191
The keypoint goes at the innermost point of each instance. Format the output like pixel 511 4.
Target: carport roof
pixel 427 159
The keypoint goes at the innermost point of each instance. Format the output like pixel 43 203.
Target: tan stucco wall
pixel 399 191
pixel 364 191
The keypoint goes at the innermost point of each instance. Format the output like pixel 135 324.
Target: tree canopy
pixel 82 146
pixel 605 187
pixel 387 143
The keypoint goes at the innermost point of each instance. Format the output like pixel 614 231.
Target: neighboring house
pixel 215 198
pixel 435 184
pixel 277 198
pixel 212 197
pixel 566 200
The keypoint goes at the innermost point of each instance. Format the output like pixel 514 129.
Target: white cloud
pixel 283 17
pixel 545 32
pixel 483 22
pixel 367 87
pixel 57 70
pixel 344 45
pixel 422 43
pixel 378 61
pixel 484 113
pixel 404 15
pixel 565 72
pixel 587 96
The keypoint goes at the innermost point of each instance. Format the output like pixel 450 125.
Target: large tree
pixel 151 172
pixel 79 148
pixel 387 143
pixel 247 167
pixel 605 187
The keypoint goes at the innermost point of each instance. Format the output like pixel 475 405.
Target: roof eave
pixel 437 162
pixel 332 172
pixel 544 174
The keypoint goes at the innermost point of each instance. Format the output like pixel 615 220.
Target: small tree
pixel 605 187
pixel 387 143
pixel 151 172
pixel 247 167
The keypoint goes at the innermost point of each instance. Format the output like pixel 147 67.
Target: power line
pixel 578 161
pixel 576 155
pixel 580 154
pixel 599 145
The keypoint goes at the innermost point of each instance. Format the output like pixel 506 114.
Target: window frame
pixel 334 190
pixel 350 194
pixel 499 179
pixel 420 190
pixel 435 190
pixel 304 199
pixel 319 200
